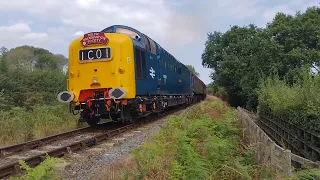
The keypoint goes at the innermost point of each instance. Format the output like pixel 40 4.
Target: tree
pixel 20 58
pixel 192 69
pixel 3 54
pixel 34 76
pixel 242 56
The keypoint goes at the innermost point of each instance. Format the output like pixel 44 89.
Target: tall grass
pixel 19 125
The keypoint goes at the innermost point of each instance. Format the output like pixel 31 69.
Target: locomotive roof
pixel 142 34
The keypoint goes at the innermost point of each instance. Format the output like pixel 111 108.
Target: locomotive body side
pixel 175 77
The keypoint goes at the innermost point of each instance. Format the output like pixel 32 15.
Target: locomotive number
pixel 95 54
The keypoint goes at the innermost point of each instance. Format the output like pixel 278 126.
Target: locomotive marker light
pixel 117 93
pixel 94 80
pixel 65 97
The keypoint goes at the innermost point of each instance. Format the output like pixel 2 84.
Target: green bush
pixel 298 103
pixel 308 174
pixel 30 79
pixel 44 171
pixel 222 93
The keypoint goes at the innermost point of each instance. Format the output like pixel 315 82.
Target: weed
pixel 44 171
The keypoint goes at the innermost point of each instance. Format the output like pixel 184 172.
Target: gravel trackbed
pixel 89 163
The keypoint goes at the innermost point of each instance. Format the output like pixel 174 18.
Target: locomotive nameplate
pixel 94 38
pixel 95 54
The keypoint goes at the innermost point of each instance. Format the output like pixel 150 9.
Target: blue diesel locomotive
pixel 121 74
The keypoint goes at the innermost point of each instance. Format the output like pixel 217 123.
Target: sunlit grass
pixel 19 125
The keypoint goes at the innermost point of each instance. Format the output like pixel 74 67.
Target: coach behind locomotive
pixel 122 74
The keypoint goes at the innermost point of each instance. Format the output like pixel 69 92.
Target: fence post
pixel 287 163
pixel 259 143
pixel 272 156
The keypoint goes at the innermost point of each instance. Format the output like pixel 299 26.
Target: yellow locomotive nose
pixel 121 70
pixel 101 62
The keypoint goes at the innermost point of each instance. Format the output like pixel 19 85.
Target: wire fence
pixel 298 140
pixel 267 150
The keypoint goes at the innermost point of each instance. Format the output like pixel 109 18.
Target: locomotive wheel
pixel 132 120
pixel 93 121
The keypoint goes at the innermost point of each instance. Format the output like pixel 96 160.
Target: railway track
pixel 34 152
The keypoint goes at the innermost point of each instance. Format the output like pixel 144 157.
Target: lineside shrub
pixel 44 171
pixel 298 103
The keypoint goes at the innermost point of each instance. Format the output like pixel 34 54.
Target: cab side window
pixel 108 30
pixel 151 45
pixel 127 32
pixel 140 59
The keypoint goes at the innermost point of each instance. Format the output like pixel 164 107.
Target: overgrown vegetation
pixel 44 171
pixel 30 79
pixel 242 56
pixel 204 142
pixel 308 174
pixel 270 68
pixel 298 103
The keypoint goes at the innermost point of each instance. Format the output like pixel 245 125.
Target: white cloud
pixel 237 10
pixel 269 14
pixel 21 34
pixel 78 33
pixel 87 3
pixel 168 26
pixel 176 25
pixel 31 36
pixel 14 28
pixel 289 8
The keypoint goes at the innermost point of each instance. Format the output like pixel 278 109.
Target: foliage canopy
pixel 242 56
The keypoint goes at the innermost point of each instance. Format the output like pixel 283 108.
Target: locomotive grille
pixel 98 94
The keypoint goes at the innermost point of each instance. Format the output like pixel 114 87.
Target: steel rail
pixel 14 167
pixel 9 150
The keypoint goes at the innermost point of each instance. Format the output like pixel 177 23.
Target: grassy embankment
pixel 19 125
pixel 204 142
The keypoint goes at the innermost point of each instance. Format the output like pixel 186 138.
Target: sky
pixel 179 26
